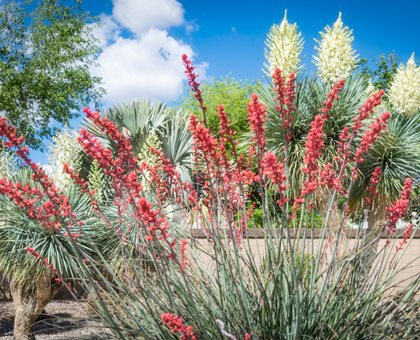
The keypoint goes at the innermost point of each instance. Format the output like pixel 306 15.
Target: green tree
pixel 46 49
pixel 382 71
pixel 232 94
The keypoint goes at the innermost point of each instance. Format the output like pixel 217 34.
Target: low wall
pixel 408 257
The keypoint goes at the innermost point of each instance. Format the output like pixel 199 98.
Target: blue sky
pixel 142 40
pixel 230 34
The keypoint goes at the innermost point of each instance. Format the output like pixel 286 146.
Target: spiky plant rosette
pixel 397 154
pixel 311 94
pixel 21 236
pixel 138 119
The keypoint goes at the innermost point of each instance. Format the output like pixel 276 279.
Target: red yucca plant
pixel 150 276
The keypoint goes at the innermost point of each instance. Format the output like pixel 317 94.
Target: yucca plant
pixel 36 261
pixel 311 94
pixel 397 154
pixel 398 147
pixel 145 124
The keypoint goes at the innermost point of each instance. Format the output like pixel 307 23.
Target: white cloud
pixel 148 67
pixel 140 15
pixel 107 30
pixel 191 27
pixel 146 63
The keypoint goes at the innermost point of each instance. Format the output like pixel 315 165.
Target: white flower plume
pixel 336 57
pixel 284 45
pixel 63 150
pixel 404 92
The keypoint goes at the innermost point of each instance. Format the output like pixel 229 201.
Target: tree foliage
pixel 383 70
pixel 229 92
pixel 46 49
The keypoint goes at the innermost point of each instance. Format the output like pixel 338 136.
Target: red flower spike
pixel 57 204
pixel 373 184
pixel 345 139
pixel 203 140
pixel 329 179
pixel 45 262
pixel 367 109
pixel 314 145
pixel 286 94
pixel 332 96
pixel 370 137
pixel 407 235
pixel 400 207
pixel 274 170
pixel 125 157
pixel 183 249
pixel 176 326
pixel 195 86
pixel 257 116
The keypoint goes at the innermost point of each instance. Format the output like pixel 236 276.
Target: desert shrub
pixel 168 284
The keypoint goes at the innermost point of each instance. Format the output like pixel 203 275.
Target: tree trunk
pixel 4 289
pixel 30 298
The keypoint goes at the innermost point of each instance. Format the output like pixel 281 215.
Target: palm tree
pixel 37 261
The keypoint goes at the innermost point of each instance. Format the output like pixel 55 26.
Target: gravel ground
pixel 62 320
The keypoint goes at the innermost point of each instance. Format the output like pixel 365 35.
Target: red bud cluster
pixel 400 207
pixel 176 326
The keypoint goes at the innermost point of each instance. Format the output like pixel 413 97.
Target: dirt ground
pixel 62 320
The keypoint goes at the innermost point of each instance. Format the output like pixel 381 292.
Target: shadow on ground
pixel 56 325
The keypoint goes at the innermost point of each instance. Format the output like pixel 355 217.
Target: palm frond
pixel 140 118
